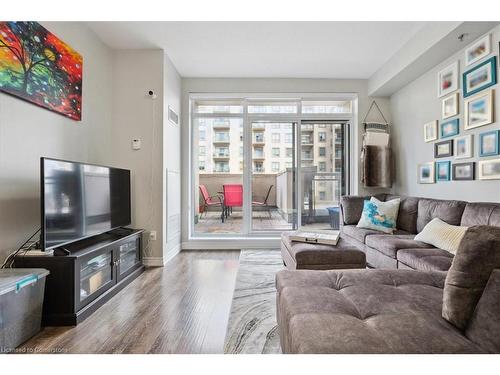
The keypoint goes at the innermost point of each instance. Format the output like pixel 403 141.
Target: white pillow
pixel 379 215
pixel 442 235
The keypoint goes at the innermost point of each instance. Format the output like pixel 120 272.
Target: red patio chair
pixel 211 201
pixel 233 196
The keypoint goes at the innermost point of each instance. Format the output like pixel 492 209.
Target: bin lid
pixel 13 279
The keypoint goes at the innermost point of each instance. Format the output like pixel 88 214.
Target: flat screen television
pixel 81 200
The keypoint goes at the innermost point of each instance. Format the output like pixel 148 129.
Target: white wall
pixel 171 163
pixel 136 115
pixel 266 85
pixel 28 132
pixel 416 104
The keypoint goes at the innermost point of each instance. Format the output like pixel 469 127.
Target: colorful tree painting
pixel 37 66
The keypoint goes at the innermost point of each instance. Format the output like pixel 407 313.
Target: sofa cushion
pixel 365 311
pixel 476 258
pixel 481 214
pixel 426 259
pixel 484 327
pixel 448 211
pixel 358 234
pixel 407 216
pixel 390 244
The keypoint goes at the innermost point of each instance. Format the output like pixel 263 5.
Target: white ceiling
pixel 265 49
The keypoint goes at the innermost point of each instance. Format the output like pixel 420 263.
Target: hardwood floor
pixel 180 308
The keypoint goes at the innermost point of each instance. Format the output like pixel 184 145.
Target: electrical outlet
pixel 152 235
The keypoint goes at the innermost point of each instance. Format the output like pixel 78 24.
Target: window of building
pixel 288 138
pixel 322 166
pixel 341 106
pixel 322 136
pixel 221 137
pixel 276 152
pixel 201 165
pixel 258 152
pixel 322 195
pixel 258 137
pixel 201 135
pixel 289 152
pixel 288 164
pixel 322 151
pixel 221 152
pixel 275 137
pixel 241 150
pixel 241 165
pixel 306 139
pixel 201 151
pixel 221 167
pixel 275 166
pixel 258 167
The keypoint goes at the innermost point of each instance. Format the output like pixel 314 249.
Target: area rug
pixel 252 327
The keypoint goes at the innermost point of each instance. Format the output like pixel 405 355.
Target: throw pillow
pixel 379 215
pixel 442 235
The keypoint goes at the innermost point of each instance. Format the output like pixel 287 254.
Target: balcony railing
pixel 221 138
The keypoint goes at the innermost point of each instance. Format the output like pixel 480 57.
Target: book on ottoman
pixel 315 237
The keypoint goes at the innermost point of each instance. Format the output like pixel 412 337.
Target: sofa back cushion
pixel 484 326
pixel 448 211
pixel 407 216
pixel 477 256
pixel 352 207
pixel 481 214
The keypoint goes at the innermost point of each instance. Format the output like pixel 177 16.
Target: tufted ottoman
pixel 301 255
pixel 365 311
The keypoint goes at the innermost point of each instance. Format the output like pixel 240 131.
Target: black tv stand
pixel 61 251
pixel 95 270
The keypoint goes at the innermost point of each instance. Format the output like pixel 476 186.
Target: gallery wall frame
pixel 480 77
pixel 479 110
pixel 478 50
pixel 443 149
pixel 463 171
pixel 448 79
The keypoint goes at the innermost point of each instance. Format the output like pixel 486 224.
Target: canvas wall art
pixel 489 143
pixel 35 65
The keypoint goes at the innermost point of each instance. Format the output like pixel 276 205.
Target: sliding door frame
pixel 205 240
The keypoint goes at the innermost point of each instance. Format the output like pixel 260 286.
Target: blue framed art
pixel 480 77
pixel 443 169
pixel 489 143
pixel 448 128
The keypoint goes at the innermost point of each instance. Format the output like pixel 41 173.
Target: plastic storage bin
pixel 21 301
pixel 334 213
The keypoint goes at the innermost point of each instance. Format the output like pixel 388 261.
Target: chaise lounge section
pixel 400 250
pixel 396 311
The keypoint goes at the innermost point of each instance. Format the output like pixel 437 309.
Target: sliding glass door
pixel 260 167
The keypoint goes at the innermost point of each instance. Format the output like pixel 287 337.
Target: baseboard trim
pixel 153 261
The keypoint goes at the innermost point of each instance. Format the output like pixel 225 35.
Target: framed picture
pixel 489 169
pixel 479 110
pixel 448 128
pixel 37 66
pixel 443 149
pixel 426 173
pixel 448 79
pixel 443 170
pixel 449 107
pixel 430 131
pixel 489 143
pixel 463 171
pixel 480 77
pixel 463 147
pixel 478 50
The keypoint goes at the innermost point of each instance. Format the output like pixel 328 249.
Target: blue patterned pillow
pixel 379 215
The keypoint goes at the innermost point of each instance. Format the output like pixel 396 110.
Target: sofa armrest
pixel 351 208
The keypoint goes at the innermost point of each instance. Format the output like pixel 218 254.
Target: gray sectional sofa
pixel 399 250
pixel 398 311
